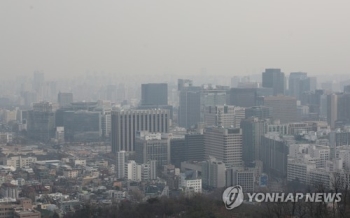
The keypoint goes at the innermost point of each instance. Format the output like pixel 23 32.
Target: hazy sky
pixel 64 37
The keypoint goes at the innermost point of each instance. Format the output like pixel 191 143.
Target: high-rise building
pixel 226 116
pixel 299 83
pixel 194 147
pixel 126 123
pixel 82 125
pixel 41 121
pixel 224 144
pixel 120 166
pixel 252 130
pixel 189 112
pixel 274 78
pixel 260 112
pixel 133 171
pixel 213 173
pixel 154 94
pixel 343 105
pixel 242 97
pixel 274 154
pixel 64 99
pixel 177 151
pixel 152 146
pixel 283 108
pixel 332 109
pixel 211 96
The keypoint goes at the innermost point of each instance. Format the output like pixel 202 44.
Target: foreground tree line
pixel 211 206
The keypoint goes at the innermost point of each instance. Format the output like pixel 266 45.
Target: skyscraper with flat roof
pixel 154 94
pixel 252 130
pixel 283 108
pixel 275 79
pixel 224 144
pixel 126 123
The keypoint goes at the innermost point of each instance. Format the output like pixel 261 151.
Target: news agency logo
pixel 233 197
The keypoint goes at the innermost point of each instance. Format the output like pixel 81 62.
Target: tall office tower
pixel 212 96
pixel 154 94
pixel 343 108
pixel 224 116
pixel 283 108
pixel 152 146
pixel 125 123
pixel 224 144
pixel 64 99
pixel 313 100
pixel 299 83
pixel 41 121
pixel 274 154
pixel 260 112
pixel 82 125
pixel 121 160
pixel 189 112
pixel 194 147
pixel 252 130
pixel 177 151
pixel 274 78
pixel 242 97
pixel 106 124
pixel 213 173
pixel 332 109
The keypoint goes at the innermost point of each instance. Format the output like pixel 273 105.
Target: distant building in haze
pixel 154 94
pixel 189 112
pixel 64 99
pixel 283 108
pixel 41 121
pixel 224 116
pixel 275 79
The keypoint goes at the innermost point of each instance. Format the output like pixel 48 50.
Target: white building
pixel 133 171
pixel 299 169
pixel 59 135
pixel 19 161
pixel 79 162
pixel 196 184
pixel 71 174
pixel 121 159
pixel 224 116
